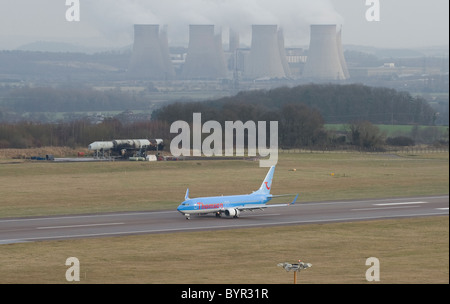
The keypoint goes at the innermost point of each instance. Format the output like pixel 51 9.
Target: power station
pixel 150 58
pixel 341 54
pixel 325 57
pixel 266 59
pixel 205 58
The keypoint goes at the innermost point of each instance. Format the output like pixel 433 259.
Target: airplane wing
pixel 282 195
pixel 263 206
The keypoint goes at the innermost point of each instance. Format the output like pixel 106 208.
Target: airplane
pixel 232 206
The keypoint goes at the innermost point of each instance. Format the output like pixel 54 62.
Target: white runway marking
pixel 262 214
pixel 383 208
pixel 405 203
pixel 81 226
pixel 83 216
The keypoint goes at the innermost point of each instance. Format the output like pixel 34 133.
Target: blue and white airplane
pixel 232 206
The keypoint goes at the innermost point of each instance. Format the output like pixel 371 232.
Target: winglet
pixel 295 199
pixel 186 197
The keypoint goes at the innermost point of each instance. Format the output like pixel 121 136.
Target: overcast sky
pixel 108 23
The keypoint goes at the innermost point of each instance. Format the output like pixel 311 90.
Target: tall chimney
pixel 323 60
pixel 205 58
pixel 150 58
pixel 265 56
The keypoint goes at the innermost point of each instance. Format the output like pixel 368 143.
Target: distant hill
pixel 335 103
pixel 63 47
pixel 432 51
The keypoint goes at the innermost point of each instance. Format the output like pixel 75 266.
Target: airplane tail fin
pixel 266 186
pixel 186 197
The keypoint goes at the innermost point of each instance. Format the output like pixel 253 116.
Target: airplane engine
pixel 232 213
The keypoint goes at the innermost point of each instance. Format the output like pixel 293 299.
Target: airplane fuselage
pixel 219 204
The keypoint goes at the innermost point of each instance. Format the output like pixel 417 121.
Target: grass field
pixel 409 250
pixel 47 188
pixel 392 130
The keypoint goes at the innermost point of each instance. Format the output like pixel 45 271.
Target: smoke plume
pixel 115 18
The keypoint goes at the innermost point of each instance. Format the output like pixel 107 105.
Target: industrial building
pixel 325 57
pixel 205 58
pixel 150 58
pixel 266 59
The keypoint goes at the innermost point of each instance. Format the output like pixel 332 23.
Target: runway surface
pixel 17 230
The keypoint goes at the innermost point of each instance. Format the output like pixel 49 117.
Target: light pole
pixel 295 267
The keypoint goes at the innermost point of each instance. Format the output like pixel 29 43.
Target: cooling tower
pixel 205 58
pixel 234 41
pixel 324 61
pixel 341 54
pixel 282 51
pixel 150 58
pixel 265 56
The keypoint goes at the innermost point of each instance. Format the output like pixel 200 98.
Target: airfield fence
pixel 400 150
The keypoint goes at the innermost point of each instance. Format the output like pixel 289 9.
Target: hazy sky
pixel 403 23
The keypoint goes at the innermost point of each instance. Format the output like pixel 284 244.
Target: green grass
pixel 409 250
pixel 390 130
pixel 35 188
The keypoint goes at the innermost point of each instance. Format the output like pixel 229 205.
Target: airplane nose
pixel 183 207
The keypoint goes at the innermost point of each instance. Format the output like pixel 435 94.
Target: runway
pixel 17 230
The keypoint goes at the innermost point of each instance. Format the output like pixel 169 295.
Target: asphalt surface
pixel 17 230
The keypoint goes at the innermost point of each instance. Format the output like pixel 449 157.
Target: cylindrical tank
pixel 101 145
pixel 131 143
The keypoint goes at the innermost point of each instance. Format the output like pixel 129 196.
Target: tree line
pixel 336 104
pixel 77 133
pixel 302 113
pixel 47 99
pixel 306 132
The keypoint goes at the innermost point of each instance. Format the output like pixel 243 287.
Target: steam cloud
pixel 294 16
